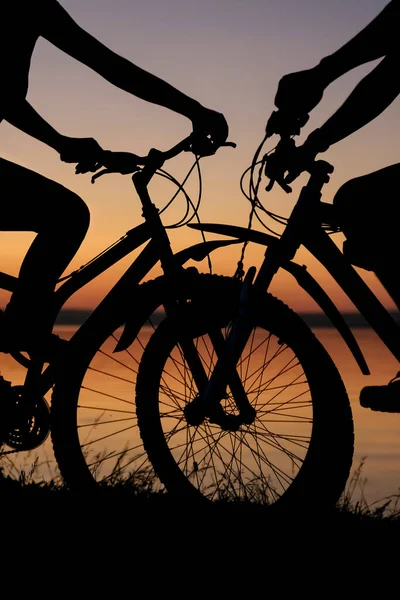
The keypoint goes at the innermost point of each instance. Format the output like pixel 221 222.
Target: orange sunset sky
pixel 229 55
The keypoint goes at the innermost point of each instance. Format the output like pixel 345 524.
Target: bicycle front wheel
pixel 298 450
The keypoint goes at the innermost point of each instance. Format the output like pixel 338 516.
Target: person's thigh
pixel 368 207
pixel 29 201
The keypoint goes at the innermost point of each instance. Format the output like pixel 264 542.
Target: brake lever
pixel 212 150
pixel 282 184
pixel 100 174
pixel 123 163
pixel 110 171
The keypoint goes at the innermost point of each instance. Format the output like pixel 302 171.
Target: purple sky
pixel 229 55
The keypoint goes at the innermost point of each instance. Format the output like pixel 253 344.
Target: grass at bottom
pixel 138 502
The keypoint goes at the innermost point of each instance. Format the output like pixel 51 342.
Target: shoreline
pixel 313 319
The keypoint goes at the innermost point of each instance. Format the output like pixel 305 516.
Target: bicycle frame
pixel 304 228
pixel 157 249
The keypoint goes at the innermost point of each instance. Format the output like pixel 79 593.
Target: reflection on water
pixel 225 457
pixel 106 416
pixel 108 401
pixel 377 435
pixel 104 409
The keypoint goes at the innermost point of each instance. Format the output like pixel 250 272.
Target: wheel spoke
pixel 234 463
pixel 243 454
pixel 100 409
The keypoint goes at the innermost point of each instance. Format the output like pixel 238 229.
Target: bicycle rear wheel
pixel 94 430
pixel 298 450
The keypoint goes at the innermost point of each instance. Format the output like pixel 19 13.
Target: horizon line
pixel 77 316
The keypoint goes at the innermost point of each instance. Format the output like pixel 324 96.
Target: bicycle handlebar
pixel 276 164
pixel 185 146
pixel 126 163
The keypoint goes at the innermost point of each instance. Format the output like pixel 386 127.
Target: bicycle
pixel 94 439
pixel 285 436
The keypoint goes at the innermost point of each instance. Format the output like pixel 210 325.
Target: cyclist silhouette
pixel 371 232
pixel 31 202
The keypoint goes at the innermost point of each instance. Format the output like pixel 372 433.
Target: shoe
pixel 382 398
pixel 47 349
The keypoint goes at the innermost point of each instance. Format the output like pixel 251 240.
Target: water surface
pixel 377 435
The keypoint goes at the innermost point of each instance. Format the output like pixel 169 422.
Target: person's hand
pixel 303 157
pixel 124 163
pixel 277 163
pixel 285 124
pixel 210 131
pixel 288 161
pixel 301 160
pixel 298 93
pixel 86 152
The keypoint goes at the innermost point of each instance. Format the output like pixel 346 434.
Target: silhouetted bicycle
pixel 92 417
pixel 271 421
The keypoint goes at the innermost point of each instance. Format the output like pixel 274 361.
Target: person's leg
pixel 31 202
pixel 369 213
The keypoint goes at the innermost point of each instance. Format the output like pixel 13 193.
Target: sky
pixel 227 54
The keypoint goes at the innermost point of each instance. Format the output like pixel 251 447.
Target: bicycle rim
pixel 290 451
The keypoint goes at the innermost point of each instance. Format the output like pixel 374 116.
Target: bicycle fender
pixel 312 287
pixel 242 233
pixel 198 252
pixel 303 278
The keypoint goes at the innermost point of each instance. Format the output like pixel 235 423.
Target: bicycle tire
pixel 93 421
pixel 87 459
pixel 300 464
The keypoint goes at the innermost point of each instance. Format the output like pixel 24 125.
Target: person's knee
pixel 346 195
pixel 349 205
pixel 80 213
pixel 75 215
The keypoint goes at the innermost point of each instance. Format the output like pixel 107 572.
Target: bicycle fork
pixel 228 352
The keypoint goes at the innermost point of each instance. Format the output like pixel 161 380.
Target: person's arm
pixel 375 92
pixel 369 99
pixel 376 40
pixel 22 115
pixel 64 33
pixel 298 93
